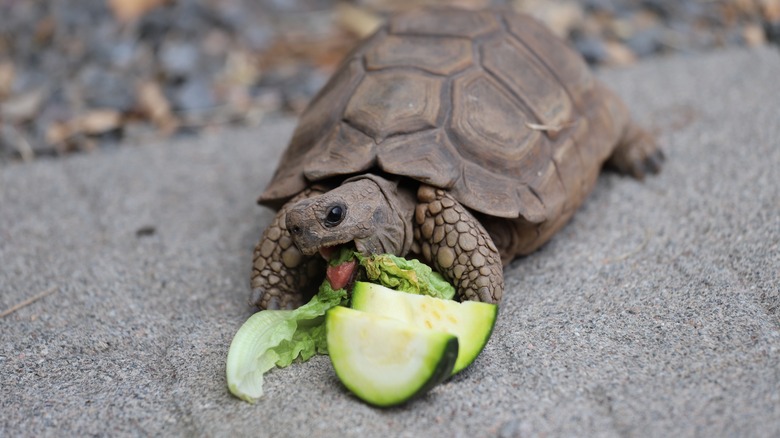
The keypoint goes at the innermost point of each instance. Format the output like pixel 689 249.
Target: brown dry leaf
pixel 289 50
pixel 57 133
pixel 130 10
pixel 754 35
pixel 560 16
pixel 771 10
pixel 23 107
pixel 619 54
pixel 155 106
pixel 71 135
pixel 152 101
pixel 7 73
pixel 744 7
pixel 359 21
pixel 96 122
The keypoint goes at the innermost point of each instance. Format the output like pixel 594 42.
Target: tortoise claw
pixel 653 162
pixel 650 164
pixel 637 154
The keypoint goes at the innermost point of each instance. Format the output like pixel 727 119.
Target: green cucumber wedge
pixel 472 322
pixel 386 362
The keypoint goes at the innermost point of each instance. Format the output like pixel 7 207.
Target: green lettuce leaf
pixel 276 338
pixel 410 276
pixel 344 254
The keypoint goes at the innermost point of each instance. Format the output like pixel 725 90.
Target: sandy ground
pixel 656 312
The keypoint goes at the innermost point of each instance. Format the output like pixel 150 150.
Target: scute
pixel 497 195
pixel 343 151
pixel 528 79
pixel 433 161
pixel 562 61
pixel 548 186
pixel 489 124
pixel 393 102
pixel 569 163
pixel 437 55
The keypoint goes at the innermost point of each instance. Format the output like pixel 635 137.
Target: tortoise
pixel 464 138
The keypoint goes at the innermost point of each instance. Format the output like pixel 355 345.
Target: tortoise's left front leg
pixel 282 277
pixel 454 242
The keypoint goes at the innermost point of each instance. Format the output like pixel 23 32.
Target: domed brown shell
pixel 492 107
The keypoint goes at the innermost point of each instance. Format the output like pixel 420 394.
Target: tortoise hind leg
pixel 637 154
pixel 281 275
pixel 457 246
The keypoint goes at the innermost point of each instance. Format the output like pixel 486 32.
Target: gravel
pixel 237 61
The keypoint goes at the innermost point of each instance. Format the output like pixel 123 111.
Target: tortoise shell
pixel 490 106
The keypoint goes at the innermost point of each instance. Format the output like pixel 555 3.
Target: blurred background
pixel 83 75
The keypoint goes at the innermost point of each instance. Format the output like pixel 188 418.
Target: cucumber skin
pixel 442 371
pixel 362 290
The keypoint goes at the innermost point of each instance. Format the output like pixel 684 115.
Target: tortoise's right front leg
pixel 281 275
pixel 454 242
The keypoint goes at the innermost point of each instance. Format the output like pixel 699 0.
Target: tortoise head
pixel 368 212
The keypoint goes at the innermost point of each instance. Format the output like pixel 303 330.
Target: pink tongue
pixel 339 276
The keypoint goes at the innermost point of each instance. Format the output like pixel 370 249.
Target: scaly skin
pixel 280 272
pixel 637 154
pixel 457 246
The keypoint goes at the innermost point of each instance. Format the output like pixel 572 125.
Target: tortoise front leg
pixel 457 246
pixel 281 274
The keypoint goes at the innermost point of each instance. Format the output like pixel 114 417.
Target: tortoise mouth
pixel 327 252
pixel 343 274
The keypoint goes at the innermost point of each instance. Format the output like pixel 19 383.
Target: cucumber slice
pixel 472 322
pixel 386 362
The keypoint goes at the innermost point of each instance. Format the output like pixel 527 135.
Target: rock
pixel 194 96
pixel 645 42
pixel 178 58
pixel 122 54
pixel 772 31
pixel 155 25
pixel 591 48
pixel 13 139
pixel 257 38
pixel 252 58
pixel 105 88
pixel 57 110
pixel 600 5
pixel 216 43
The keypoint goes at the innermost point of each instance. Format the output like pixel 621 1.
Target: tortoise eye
pixel 335 215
